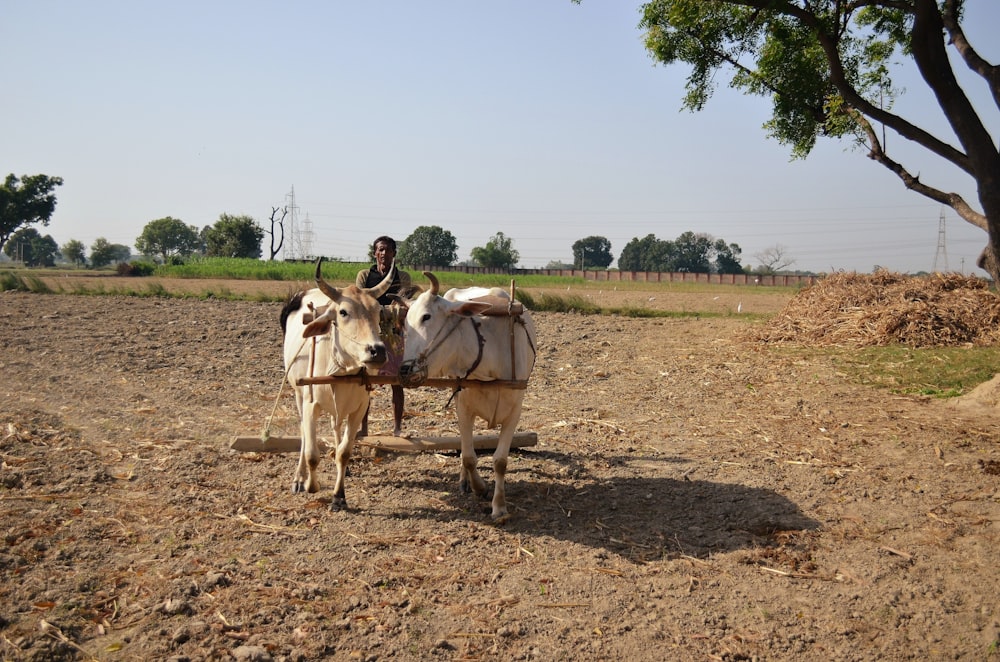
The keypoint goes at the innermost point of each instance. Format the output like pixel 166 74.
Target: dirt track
pixel 691 497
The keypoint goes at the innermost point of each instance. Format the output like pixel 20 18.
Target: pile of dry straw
pixel 887 308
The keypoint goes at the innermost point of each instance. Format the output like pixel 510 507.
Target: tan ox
pixel 448 337
pixel 331 331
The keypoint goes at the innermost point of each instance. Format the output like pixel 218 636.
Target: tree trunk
pixel 989 260
pixel 988 179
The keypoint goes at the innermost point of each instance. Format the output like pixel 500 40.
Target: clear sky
pixel 541 119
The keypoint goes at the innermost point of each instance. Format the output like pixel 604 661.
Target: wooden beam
pixel 417 444
pixel 520 384
pixel 387 442
pixel 500 306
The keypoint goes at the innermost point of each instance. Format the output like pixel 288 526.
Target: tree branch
pixel 972 59
pixel 816 112
pixel 912 182
pixel 839 79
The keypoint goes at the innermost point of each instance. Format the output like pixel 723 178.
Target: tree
pixel 773 259
pixel 280 222
pixel 691 252
pixel 233 236
pixel 120 253
pixel 168 236
pixel 646 254
pixel 592 252
pixel 428 245
pixel 100 253
pixel 498 253
pixel 103 253
pixel 74 251
pixel 27 202
pixel 31 248
pixel 727 258
pixel 825 65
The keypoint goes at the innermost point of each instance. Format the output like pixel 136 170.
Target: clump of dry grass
pixel 888 308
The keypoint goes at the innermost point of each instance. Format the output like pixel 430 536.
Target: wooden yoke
pixel 500 307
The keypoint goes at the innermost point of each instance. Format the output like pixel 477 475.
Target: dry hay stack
pixel 887 308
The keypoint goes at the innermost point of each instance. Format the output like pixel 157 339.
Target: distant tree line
pixel 691 252
pixel 30 199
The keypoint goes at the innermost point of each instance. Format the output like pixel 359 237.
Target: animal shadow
pixel 640 517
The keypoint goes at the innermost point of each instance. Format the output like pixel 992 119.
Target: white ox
pixel 448 337
pixel 331 331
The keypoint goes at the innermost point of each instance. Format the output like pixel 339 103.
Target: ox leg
pixel 511 402
pixel 347 431
pixel 469 479
pixel 397 410
pixel 307 475
pixel 345 444
pixel 507 429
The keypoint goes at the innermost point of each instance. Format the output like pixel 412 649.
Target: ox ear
pixel 317 327
pixel 469 308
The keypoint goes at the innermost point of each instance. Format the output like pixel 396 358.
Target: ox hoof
pixel 464 487
pixel 298 487
pixel 501 519
pixel 338 503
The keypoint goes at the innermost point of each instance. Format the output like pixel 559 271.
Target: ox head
pixel 352 320
pixel 430 321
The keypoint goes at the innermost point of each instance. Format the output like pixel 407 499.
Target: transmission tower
pixel 307 239
pixel 942 250
pixel 292 249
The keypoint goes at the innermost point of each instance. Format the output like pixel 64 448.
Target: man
pixel 384 250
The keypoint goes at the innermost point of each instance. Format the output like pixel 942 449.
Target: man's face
pixel 384 255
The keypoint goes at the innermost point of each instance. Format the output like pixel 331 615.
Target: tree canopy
pixel 31 248
pixel 690 252
pixel 103 253
pixel 428 245
pixel 826 66
pixel 498 253
pixel 25 201
pixel 74 251
pixel 168 236
pixel 233 236
pixel 592 252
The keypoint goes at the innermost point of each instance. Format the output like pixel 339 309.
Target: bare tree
pixel 773 259
pixel 280 222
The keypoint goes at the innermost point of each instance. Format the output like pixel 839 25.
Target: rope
pixel 265 434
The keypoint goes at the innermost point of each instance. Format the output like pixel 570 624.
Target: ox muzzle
pixel 377 355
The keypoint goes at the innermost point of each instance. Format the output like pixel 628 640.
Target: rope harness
pixel 314 312
pixel 415 372
pixel 416 369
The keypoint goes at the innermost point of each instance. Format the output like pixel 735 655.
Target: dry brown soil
pixel 691 497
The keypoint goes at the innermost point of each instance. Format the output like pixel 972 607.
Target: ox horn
pixel 325 287
pixel 435 286
pixel 383 286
